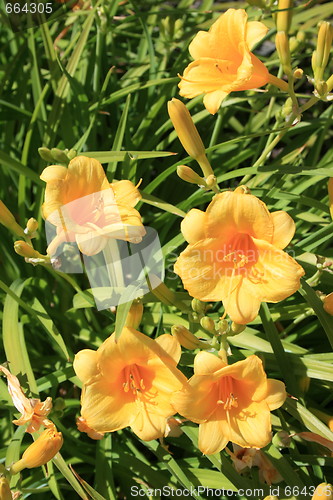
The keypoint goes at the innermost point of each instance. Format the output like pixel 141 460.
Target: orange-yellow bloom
pixel 41 451
pixel 86 208
pixel 230 402
pixel 129 383
pixel 223 61
pixel 34 411
pixel 235 254
pixel 324 491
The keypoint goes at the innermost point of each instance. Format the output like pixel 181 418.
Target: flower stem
pixel 278 82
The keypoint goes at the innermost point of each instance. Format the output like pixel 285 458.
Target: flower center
pixel 238 253
pixel 226 396
pixel 133 380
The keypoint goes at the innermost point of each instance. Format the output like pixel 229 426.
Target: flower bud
pixel 187 339
pixel 208 324
pixel 198 306
pixel 5 493
pixel 59 155
pixel 71 154
pixel 223 326
pixel 45 154
pixel 185 128
pixel 236 329
pixel 211 181
pixel 324 491
pixel 281 439
pixel 284 15
pixel 188 175
pixel 282 47
pixel 298 73
pixel 321 54
pixel 32 226
pixel 41 451
pixel 22 248
pixel 134 315
pixel 7 219
pixel 287 108
pixel 324 417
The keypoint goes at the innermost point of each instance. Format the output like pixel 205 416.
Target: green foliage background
pixel 98 79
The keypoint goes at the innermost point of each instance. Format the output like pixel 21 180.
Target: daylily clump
pixel 129 382
pixel 223 61
pixel 235 254
pixel 86 208
pixel 230 402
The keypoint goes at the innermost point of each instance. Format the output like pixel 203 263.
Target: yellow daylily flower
pixel 129 382
pixel 34 411
pixel 235 254
pixel 86 208
pixel 230 402
pixel 223 61
pixel 324 491
pixel 41 451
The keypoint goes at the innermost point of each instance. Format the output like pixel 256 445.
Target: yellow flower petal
pixel 284 229
pixel 90 243
pixel 148 426
pixel 211 437
pixel 206 363
pixel 213 100
pixel 197 401
pixel 274 268
pixel 53 173
pixel 233 211
pixel 126 193
pixel 328 303
pixel 193 225
pixel 276 391
pixel 255 31
pixel 85 364
pixel 170 345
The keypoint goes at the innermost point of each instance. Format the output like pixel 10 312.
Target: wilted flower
pixel 246 458
pixel 223 61
pixel 41 451
pixel 230 402
pixel 129 382
pixel 235 254
pixel 86 208
pixel 34 411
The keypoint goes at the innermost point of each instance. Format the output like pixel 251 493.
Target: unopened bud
pixel 281 439
pixel 321 88
pixel 223 326
pixel 59 404
pixel 187 339
pixel 185 128
pixel 242 189
pixel 321 54
pixel 41 451
pixel 324 491
pixel 236 329
pixel 324 417
pixel 22 248
pixel 32 226
pixel 45 153
pixel 208 324
pixel 284 15
pixel 187 174
pixel 7 219
pixel 211 181
pixel 59 155
pixel 71 154
pixel 298 73
pixel 287 108
pixel 282 47
pixel 198 306
pixel 134 315
pixel 5 493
